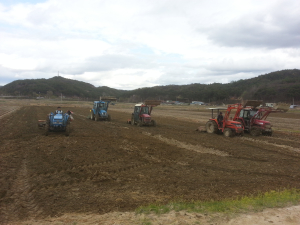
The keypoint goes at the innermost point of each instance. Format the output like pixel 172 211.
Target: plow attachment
pixel 108 98
pixel 41 123
pixel 282 106
pixel 152 102
pixel 252 103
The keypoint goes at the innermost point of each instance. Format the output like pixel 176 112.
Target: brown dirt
pixel 115 167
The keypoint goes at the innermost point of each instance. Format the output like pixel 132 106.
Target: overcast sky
pixel 129 44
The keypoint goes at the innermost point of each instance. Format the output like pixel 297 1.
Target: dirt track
pixel 113 166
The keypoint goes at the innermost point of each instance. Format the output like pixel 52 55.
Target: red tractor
pixel 142 114
pixel 254 117
pixel 226 126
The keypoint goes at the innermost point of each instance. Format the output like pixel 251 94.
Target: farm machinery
pixel 56 122
pixel 142 113
pixel 225 125
pixel 99 110
pixel 253 117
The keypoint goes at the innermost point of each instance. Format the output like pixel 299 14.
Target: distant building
pixel 197 103
pixel 270 104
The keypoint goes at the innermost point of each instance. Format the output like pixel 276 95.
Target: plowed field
pixel 114 166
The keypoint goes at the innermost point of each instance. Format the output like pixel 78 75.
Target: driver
pixel 220 118
pixel 58 110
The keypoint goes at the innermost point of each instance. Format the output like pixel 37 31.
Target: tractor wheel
pixel 68 130
pixel 97 117
pixel 153 123
pixel 211 127
pixel 132 120
pixel 228 132
pixel 255 131
pixel 270 133
pixel 108 118
pixel 267 133
pixel 92 117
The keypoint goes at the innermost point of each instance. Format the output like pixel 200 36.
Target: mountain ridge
pixel 275 86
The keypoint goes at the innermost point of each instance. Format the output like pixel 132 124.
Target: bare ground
pixel 104 170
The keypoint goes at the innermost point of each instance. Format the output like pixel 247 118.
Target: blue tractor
pixel 99 110
pixel 58 122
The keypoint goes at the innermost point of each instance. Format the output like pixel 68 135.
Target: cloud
pixel 133 44
pixel 276 27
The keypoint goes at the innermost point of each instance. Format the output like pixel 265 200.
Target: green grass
pixel 272 199
pixel 287 130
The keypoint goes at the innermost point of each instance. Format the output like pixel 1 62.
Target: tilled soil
pixel 114 166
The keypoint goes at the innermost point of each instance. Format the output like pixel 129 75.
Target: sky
pixel 130 44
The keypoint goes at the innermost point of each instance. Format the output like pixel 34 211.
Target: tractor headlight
pixel 238 125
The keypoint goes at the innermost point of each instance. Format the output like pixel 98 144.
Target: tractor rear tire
pixel 92 117
pixel 242 133
pixel 255 131
pixel 270 133
pixel 228 132
pixel 108 118
pixel 132 120
pixel 97 117
pixel 153 123
pixel 68 130
pixel 211 127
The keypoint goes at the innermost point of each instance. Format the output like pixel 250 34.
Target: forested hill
pixel 276 86
pixel 57 86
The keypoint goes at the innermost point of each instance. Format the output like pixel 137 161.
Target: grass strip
pixel 271 199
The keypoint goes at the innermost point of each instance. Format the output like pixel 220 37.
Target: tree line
pixel 277 86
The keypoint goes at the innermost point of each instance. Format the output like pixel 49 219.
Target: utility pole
pixel 61 97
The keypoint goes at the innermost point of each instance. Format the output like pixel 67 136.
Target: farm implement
pixel 141 115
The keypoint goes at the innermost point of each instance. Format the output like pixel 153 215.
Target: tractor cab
pixel 248 114
pixel 141 109
pixel 100 107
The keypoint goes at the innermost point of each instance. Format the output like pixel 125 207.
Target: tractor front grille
pixel 147 120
